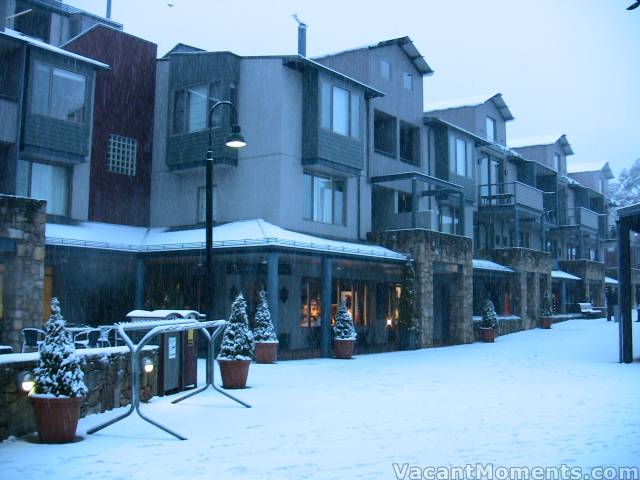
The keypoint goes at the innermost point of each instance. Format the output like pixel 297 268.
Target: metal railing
pixel 579 216
pixel 512 193
pixel 426 219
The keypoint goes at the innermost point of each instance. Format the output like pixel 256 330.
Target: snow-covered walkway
pixel 535 398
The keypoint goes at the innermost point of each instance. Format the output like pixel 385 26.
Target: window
pixel 461 158
pixel 404 203
pixel 191 107
pixel 121 154
pixel 324 199
pixel 58 93
pixel 339 110
pixel 601 185
pixel 384 133
pixel 407 81
pixel 556 162
pixel 409 143
pixel 202 205
pixel 50 183
pixel 491 129
pixel 448 220
pixel 385 70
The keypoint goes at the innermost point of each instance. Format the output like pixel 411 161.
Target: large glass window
pixel 384 133
pixel 339 110
pixel 491 129
pixel 409 143
pixel 191 107
pixel 51 183
pixel 324 199
pixel 461 158
pixel 58 93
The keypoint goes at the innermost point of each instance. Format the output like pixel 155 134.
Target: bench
pixel 590 311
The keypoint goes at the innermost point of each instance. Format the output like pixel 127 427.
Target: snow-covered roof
pixel 563 275
pixel 471 102
pixel 546 139
pixel 241 234
pixel 45 46
pixel 590 167
pixel 479 264
pixel 610 281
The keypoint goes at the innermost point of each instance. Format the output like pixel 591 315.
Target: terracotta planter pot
pixel 545 322
pixel 57 417
pixel 488 335
pixel 234 373
pixel 343 349
pixel 266 352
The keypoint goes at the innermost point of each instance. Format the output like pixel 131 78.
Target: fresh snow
pixel 534 398
pixel 480 264
pixel 564 275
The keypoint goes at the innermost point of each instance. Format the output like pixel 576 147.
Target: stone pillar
pixel 22 223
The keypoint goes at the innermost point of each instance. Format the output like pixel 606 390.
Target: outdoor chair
pixel 88 338
pixel 31 339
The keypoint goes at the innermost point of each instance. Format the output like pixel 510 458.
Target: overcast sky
pixel 563 66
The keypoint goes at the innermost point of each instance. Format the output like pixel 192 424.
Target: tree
pixel 344 328
pixel 408 325
pixel 626 190
pixel 489 317
pixel 264 330
pixel 237 342
pixel 58 372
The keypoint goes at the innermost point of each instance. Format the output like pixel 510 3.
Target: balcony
pixel 511 194
pixel 426 219
pixel 579 216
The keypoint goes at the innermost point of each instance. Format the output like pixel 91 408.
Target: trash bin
pixel 178 356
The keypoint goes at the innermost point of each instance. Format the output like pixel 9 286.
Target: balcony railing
pixel 426 219
pixel 579 216
pixel 513 193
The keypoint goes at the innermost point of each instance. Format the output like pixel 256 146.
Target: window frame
pixel 407 76
pixel 490 121
pixel 385 65
pixel 183 92
pixel 49 93
pixel 468 165
pixel 353 116
pixel 333 181
pixel 128 168
pixel 415 132
pixel 68 180
pixel 394 134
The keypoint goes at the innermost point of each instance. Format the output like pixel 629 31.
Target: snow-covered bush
pixel 58 372
pixel 237 342
pixel 489 317
pixel 264 330
pixel 344 329
pixel 408 324
pixel 545 310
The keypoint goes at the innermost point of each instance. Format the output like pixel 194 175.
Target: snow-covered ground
pixel 535 398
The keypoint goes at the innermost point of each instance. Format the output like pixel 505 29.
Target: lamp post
pixel 234 140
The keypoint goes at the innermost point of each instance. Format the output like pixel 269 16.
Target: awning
pixel 489 265
pixel 610 281
pixel 563 275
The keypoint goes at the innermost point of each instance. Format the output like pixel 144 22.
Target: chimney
pixel 302 36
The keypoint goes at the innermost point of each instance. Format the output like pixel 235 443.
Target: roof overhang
pixel 560 275
pixel 411 51
pixel 480 264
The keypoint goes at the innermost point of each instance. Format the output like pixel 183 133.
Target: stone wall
pixel 438 253
pixel 107 375
pixel 532 272
pixel 591 279
pixel 22 224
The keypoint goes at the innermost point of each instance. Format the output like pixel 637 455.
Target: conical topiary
pixel 545 310
pixel 264 330
pixel 408 324
pixel 489 317
pixel 58 372
pixel 344 329
pixel 237 342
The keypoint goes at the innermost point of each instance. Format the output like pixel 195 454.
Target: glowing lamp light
pixel 235 139
pixel 26 381
pixel 147 364
pixel 388 321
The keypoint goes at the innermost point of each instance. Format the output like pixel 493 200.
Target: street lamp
pixel 234 140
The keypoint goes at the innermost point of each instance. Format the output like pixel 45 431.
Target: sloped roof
pixel 241 234
pixel 45 46
pixel 479 264
pixel 474 101
pixel 66 9
pixel 547 139
pixel 590 167
pixel 563 275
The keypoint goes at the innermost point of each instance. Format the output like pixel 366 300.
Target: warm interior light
pixel 147 364
pixel 26 381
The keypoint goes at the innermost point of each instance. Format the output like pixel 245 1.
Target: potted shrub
pixel 546 318
pixel 344 333
pixel 59 389
pixel 264 334
pixel 236 350
pixel 489 323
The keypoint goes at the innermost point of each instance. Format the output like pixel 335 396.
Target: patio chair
pixel 32 338
pixel 88 338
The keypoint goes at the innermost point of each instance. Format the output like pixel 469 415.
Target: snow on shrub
pixel 237 342
pixel 344 329
pixel 489 317
pixel 264 331
pixel 58 372
pixel 545 311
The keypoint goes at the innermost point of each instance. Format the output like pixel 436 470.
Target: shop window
pixel 311 314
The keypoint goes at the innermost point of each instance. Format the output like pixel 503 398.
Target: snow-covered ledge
pixel 106 373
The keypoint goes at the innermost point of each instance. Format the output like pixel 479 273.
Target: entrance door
pixel 441 308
